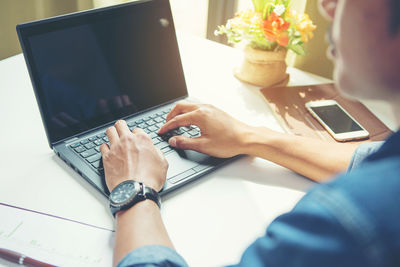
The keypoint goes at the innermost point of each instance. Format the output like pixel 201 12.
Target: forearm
pixel 312 158
pixel 139 226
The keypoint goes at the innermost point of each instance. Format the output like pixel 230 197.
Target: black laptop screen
pixel 93 68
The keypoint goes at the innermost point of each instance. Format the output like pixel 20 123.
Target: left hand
pixel 132 156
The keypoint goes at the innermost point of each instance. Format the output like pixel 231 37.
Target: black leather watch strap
pixel 150 193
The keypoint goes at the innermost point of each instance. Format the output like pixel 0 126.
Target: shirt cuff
pixel 153 255
pixel 363 151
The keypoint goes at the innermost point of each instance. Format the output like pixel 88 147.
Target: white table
pixel 212 220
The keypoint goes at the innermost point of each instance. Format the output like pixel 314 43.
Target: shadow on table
pixel 263 172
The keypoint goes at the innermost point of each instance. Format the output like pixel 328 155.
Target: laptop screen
pixel 92 68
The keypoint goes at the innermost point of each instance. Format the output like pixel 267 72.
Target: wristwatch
pixel 130 192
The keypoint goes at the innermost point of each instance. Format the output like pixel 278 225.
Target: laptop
pixel 92 68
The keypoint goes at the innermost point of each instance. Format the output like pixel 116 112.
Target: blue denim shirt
pixel 352 221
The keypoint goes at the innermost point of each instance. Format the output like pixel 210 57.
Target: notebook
pixel 91 68
pixel 288 106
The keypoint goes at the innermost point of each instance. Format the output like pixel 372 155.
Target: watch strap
pixel 144 193
pixel 150 193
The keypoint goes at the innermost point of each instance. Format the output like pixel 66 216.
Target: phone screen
pixel 336 119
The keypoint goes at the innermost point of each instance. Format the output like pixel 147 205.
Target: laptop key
pixel 139 121
pixel 159 119
pixel 79 149
pixel 94 158
pixel 132 124
pixel 88 153
pixel 75 145
pixel 150 122
pixel 156 141
pixel 99 142
pixel 177 132
pixel 101 135
pixel 186 135
pixel 93 138
pixel 153 135
pixel 90 145
pixel 193 132
pixel 152 128
pixel 162 145
pixel 166 149
pixel 84 142
pixel 97 148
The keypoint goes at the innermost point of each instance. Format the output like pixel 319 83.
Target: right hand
pixel 221 135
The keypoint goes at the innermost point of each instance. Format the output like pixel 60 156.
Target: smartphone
pixel 337 121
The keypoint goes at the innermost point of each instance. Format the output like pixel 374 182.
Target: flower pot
pixel 263 68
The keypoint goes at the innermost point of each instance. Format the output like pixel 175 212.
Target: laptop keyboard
pixel 89 148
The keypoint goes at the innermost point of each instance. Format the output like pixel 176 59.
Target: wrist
pixel 143 207
pixel 257 141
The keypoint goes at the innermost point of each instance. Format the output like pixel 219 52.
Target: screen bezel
pixel 351 135
pixel 29 29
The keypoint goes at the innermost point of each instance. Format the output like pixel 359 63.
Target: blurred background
pixel 197 17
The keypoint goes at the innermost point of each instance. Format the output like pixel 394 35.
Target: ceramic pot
pixel 263 68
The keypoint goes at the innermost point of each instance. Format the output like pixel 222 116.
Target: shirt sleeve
pixel 152 256
pixel 317 232
pixel 363 151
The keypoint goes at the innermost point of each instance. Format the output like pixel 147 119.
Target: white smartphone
pixel 337 121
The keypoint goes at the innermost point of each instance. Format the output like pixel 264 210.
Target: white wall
pixel 189 15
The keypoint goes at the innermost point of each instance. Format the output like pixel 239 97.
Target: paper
pixel 54 240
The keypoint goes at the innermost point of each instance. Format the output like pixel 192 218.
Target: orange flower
pixel 304 25
pixel 275 29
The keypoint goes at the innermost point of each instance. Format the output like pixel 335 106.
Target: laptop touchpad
pixel 182 160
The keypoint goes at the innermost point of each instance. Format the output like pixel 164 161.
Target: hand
pixel 132 156
pixel 221 135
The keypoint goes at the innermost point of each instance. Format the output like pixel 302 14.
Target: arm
pixel 131 155
pixel 224 136
pixel 315 159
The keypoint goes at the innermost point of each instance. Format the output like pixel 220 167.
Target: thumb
pixel 184 142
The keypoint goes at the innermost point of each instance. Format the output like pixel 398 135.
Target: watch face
pixel 123 192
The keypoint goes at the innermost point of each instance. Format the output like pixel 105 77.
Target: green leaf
pixel 298 49
pixel 267 10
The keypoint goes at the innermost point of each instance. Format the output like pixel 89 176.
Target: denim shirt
pixel 353 220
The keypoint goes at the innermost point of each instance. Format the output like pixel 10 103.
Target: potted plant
pixel 268 30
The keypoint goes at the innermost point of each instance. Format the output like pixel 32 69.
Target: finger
pixel 122 128
pixel 104 149
pixel 180 108
pixel 138 130
pixel 112 135
pixel 183 142
pixel 178 121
